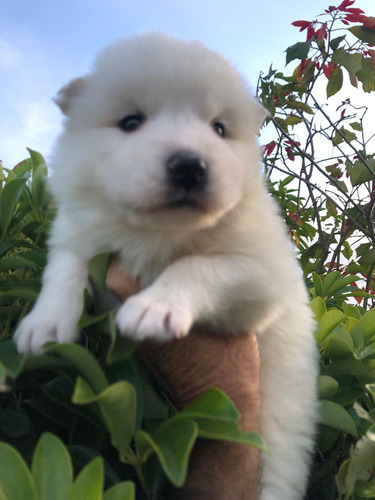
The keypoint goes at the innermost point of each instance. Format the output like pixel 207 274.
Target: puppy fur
pixel 216 253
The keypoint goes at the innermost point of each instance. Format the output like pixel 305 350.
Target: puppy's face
pixel 162 131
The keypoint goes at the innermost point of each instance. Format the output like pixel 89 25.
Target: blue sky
pixel 45 43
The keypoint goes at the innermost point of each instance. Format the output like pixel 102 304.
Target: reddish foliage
pixel 295 218
pixel 321 33
pixel 302 24
pixel 289 149
pixel 328 69
pixel 268 148
pixel 345 4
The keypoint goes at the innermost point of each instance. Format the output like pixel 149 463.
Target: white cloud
pixel 36 129
pixel 10 56
pixel 30 119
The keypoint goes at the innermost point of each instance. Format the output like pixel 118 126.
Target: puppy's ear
pixel 68 93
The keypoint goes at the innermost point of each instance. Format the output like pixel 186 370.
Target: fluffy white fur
pixel 222 257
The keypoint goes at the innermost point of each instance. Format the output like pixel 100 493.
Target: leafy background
pixel 87 421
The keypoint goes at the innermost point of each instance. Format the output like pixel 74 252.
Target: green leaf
pixel 335 42
pixel 359 173
pixel 15 479
pixel 327 386
pixel 317 284
pixel 367 75
pixel 39 192
pixel 367 324
pixel 293 120
pixel 328 322
pixel 14 424
pixel 356 126
pixel 36 159
pixel 328 281
pixel 97 268
pixel 121 491
pixel 87 319
pixel 351 311
pixel 348 366
pixel 52 469
pixel 331 208
pixel 339 345
pixel 172 442
pixel 371 390
pixel 300 106
pixel 364 34
pixel 12 263
pixel 335 82
pixel 83 361
pixel 365 489
pixel 345 135
pixel 212 404
pixel 11 360
pixel 318 306
pixel 300 50
pixel 351 62
pixel 25 290
pixel 362 462
pixel 229 431
pixel 336 416
pixel 89 483
pixel 342 284
pixel 117 404
pixel 10 195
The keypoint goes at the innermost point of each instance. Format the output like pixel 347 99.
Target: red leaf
pixel 302 24
pixel 295 218
pixel 290 153
pixel 268 148
pixel 321 33
pixel 356 18
pixel 355 11
pixel 310 32
pixel 345 4
pixel 328 69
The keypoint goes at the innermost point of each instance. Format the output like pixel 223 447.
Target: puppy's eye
pixel 131 123
pixel 219 129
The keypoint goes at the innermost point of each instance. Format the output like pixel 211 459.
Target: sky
pixel 45 43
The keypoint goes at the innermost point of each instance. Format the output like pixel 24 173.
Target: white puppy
pixel 159 161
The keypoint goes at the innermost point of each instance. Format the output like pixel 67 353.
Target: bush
pixel 105 419
pixel 320 165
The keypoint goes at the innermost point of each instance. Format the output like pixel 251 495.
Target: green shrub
pixel 320 164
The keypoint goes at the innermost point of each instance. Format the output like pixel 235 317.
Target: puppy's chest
pixel 146 258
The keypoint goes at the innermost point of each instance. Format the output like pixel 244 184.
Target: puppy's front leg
pixel 57 309
pixel 231 292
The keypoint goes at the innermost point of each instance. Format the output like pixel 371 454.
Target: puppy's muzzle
pixel 186 172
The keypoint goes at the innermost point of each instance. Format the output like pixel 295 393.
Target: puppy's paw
pixel 38 328
pixel 154 316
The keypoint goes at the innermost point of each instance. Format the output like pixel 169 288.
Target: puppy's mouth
pixel 186 203
pixel 186 200
pixel 173 202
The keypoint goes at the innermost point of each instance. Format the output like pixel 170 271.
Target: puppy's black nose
pixel 187 170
